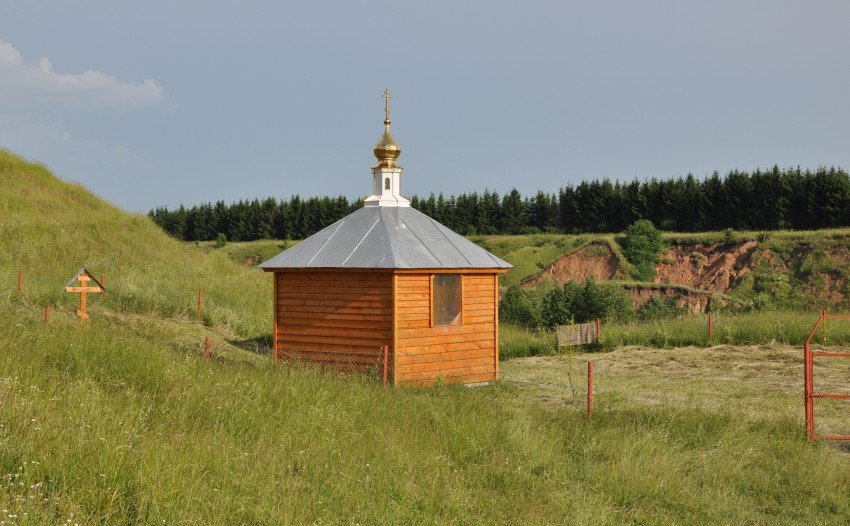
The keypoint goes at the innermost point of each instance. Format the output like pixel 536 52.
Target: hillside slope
pixel 783 269
pixel 49 229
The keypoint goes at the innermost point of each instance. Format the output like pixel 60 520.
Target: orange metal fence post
pixel 47 315
pixel 710 326
pixel 386 362
pixel 207 348
pixel 598 330
pixel 825 331
pixel 102 286
pixel 807 389
pixel 20 281
pixel 589 391
pixel 200 299
pixel 809 366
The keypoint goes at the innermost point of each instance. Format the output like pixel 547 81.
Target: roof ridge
pixel 440 230
pixel 420 241
pixel 387 241
pixel 342 222
pixel 353 250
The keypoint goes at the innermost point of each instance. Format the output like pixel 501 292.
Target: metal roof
pixel 386 237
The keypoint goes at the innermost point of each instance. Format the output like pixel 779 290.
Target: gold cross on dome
pixel 387 96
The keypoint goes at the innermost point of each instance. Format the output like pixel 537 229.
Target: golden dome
pixel 387 150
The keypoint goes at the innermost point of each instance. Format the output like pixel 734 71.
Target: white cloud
pixel 38 85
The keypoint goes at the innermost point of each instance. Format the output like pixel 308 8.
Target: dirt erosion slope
pixel 595 260
pixel 714 268
pixel 694 273
pixel 711 268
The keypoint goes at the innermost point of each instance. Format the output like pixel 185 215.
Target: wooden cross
pixel 83 277
pixel 387 96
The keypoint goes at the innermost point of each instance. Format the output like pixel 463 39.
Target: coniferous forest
pixel 761 200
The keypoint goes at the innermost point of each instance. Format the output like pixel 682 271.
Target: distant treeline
pixel 761 200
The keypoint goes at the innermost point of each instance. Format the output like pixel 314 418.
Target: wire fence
pixel 187 304
pixel 376 364
pixel 766 327
pixel 191 303
pixel 225 304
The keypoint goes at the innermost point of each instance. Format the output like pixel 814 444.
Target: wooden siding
pixel 462 353
pixel 334 318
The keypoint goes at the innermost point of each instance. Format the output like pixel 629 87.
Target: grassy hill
pixel 125 423
pixel 49 229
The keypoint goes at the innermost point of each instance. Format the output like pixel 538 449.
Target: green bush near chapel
pixel 518 307
pixel 580 303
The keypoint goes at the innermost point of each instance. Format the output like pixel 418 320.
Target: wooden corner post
pixel 277 276
pixel 395 326
pixel 496 323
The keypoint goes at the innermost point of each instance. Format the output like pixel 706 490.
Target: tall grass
pixel 773 327
pixel 49 229
pixel 519 342
pixel 110 426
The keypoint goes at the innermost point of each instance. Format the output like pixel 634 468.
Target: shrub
pixel 607 301
pixel 642 247
pixel 576 303
pixel 519 307
pixel 660 307
pixel 221 240
pixel 774 290
pixel 560 305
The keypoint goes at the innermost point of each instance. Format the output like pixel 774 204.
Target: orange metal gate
pixel 810 385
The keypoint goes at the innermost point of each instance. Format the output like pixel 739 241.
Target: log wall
pixel 462 353
pixel 334 318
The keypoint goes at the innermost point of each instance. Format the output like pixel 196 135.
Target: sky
pixel 159 103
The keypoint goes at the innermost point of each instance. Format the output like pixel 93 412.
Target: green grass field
pixel 118 424
pixel 124 422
